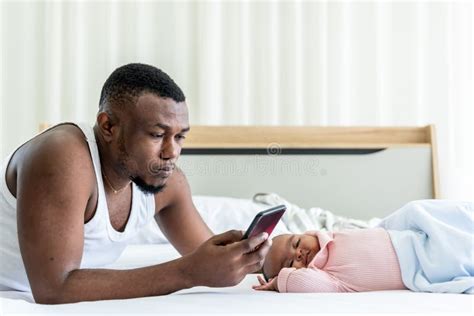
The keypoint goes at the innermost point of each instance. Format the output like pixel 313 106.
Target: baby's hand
pixel 271 285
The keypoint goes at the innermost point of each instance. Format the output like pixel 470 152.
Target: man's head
pixel 142 120
pixel 288 251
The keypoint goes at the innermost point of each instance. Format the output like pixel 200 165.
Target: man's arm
pixel 177 216
pixel 53 187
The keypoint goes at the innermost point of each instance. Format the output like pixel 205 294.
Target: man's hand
pixel 225 259
pixel 271 285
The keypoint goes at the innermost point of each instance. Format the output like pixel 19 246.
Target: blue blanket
pixel 434 242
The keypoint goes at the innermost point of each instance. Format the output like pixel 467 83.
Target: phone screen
pixel 265 221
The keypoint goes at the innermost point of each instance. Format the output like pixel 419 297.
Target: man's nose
pixel 170 149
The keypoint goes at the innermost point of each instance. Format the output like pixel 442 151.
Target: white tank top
pixel 102 243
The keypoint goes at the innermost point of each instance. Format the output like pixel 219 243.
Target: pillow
pixel 219 213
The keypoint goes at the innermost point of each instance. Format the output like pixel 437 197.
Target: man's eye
pixel 298 242
pixel 158 135
pixel 180 136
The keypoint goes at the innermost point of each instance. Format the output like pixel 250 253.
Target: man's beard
pixel 145 187
pixel 141 184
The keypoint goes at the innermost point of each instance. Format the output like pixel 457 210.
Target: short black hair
pixel 130 80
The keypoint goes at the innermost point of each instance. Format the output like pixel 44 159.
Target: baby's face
pixel 287 251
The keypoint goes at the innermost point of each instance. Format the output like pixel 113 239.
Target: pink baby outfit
pixel 349 261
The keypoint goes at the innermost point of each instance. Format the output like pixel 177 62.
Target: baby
pixel 424 246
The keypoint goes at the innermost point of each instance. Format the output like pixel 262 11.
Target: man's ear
pixel 105 123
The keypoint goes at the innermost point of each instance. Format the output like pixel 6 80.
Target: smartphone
pixel 265 221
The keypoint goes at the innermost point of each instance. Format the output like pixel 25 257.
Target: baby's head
pixel 287 251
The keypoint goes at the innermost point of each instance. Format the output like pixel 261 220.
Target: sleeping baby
pixel 424 246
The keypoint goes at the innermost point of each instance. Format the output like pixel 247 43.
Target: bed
pixel 355 172
pixel 240 299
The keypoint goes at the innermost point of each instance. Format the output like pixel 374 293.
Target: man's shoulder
pixel 64 147
pixel 58 158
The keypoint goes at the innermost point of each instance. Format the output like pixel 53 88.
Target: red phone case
pixel 265 221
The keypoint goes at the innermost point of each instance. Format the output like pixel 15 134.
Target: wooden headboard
pixel 354 171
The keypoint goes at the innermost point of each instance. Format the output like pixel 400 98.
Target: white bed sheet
pixel 240 299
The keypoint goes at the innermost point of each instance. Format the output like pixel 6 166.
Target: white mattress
pixel 240 299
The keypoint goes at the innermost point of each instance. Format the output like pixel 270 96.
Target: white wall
pixel 271 63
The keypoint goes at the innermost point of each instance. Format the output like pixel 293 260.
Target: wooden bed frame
pixel 201 137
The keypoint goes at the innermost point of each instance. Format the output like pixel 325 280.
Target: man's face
pixel 151 136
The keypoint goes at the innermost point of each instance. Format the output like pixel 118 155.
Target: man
pixel 73 196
